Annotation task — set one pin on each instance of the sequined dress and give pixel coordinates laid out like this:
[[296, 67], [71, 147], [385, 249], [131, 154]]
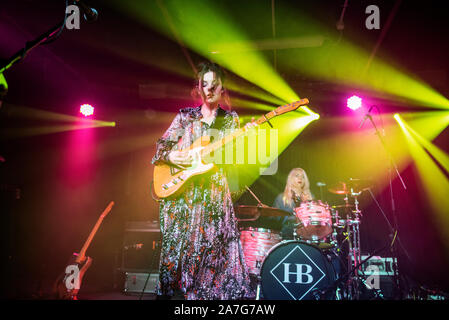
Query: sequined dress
[[201, 251]]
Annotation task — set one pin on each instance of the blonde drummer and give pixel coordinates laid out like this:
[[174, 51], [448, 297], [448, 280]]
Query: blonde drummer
[[297, 190]]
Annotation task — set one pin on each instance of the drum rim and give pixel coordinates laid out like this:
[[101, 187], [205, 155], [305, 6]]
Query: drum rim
[[301, 208], [254, 229], [319, 202], [285, 242]]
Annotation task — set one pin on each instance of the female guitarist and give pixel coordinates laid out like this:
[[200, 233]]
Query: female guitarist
[[201, 254]]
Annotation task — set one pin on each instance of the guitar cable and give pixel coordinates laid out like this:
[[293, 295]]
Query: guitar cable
[[152, 192], [152, 265]]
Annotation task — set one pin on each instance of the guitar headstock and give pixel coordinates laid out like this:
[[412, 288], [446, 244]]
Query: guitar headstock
[[106, 211], [291, 106]]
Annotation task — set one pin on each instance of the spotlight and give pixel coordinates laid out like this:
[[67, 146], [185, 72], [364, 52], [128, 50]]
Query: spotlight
[[354, 102], [86, 110]]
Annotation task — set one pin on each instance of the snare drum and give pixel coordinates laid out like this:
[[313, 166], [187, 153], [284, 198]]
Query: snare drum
[[315, 220], [256, 243]]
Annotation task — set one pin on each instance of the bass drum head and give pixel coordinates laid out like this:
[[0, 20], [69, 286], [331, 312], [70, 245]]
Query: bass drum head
[[294, 270]]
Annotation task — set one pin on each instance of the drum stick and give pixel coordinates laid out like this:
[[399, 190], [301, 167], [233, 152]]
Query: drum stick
[[260, 203]]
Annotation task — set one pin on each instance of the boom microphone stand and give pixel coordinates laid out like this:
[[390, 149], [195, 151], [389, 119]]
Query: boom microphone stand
[[42, 39], [393, 229], [90, 14]]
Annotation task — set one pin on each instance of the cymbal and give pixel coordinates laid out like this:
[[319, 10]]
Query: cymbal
[[254, 212], [324, 246], [344, 206], [360, 184], [339, 188], [352, 185]]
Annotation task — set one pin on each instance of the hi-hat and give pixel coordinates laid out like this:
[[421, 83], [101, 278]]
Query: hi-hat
[[343, 206], [252, 213]]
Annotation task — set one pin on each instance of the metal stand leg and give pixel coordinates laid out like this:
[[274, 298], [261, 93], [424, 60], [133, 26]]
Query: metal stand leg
[[258, 292], [354, 251]]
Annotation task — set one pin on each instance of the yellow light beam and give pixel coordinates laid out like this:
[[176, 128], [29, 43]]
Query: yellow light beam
[[436, 184]]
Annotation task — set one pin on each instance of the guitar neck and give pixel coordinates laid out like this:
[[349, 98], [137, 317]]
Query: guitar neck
[[218, 144], [229, 138], [82, 254]]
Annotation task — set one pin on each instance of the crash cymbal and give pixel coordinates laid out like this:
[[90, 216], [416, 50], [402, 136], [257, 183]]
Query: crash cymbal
[[359, 184], [254, 212], [339, 188]]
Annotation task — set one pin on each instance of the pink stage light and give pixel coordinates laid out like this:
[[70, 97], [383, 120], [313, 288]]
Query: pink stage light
[[354, 102], [86, 110]]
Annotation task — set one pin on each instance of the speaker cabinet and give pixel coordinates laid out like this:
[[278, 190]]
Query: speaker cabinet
[[134, 282], [141, 247]]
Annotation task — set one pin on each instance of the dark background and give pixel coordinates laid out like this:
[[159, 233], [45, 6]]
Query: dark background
[[50, 201]]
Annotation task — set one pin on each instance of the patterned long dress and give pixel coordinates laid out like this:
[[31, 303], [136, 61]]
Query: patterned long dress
[[201, 251]]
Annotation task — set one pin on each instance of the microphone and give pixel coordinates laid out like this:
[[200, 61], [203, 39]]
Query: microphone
[[296, 197], [368, 115], [90, 14]]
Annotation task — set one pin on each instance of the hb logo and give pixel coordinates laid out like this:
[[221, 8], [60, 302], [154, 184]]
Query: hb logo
[[302, 273]]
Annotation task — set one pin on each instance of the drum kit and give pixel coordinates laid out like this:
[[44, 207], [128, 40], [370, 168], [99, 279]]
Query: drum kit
[[323, 261]]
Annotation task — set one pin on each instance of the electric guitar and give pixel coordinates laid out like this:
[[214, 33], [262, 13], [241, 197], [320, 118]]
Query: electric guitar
[[67, 285], [169, 179]]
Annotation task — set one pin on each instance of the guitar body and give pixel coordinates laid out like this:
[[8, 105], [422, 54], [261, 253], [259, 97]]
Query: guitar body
[[68, 283], [169, 180]]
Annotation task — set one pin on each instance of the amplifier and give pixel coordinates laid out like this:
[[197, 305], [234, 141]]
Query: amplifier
[[380, 265], [141, 247], [379, 272], [134, 282]]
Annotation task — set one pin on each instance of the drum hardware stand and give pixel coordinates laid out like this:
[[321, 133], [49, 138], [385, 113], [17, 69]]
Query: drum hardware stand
[[392, 165], [258, 288], [394, 237], [321, 185], [256, 279], [353, 270], [260, 205], [354, 253]]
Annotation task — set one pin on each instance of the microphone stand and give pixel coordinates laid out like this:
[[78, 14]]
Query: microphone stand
[[394, 229], [45, 37], [152, 267], [19, 55], [353, 270]]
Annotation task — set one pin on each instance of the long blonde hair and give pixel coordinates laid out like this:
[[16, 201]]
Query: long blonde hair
[[292, 189]]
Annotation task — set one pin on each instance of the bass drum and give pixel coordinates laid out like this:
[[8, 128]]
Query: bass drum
[[294, 270]]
